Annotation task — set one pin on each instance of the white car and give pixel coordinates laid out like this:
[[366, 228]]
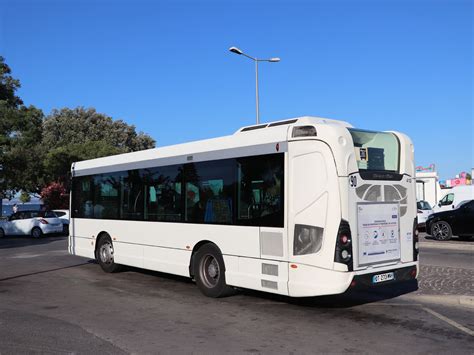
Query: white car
[[424, 210], [34, 223], [63, 215]]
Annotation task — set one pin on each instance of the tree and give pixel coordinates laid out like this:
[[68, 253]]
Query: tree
[[81, 125], [57, 161], [20, 138], [36, 151], [8, 85], [71, 135]]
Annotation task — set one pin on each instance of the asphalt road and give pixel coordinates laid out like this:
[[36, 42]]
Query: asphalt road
[[56, 303]]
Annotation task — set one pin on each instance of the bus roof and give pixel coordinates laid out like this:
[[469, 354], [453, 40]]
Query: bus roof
[[249, 136]]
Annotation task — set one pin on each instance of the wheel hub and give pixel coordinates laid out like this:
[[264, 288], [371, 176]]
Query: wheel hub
[[212, 270], [106, 253], [209, 271]]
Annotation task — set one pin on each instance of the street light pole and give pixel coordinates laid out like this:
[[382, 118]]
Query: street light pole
[[256, 60], [256, 90]]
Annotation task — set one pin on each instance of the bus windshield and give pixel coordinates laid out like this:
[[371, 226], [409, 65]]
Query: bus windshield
[[375, 151]]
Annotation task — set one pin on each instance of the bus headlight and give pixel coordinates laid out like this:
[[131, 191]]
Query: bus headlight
[[308, 239]]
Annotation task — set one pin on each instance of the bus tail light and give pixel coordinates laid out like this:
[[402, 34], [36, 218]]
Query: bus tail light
[[304, 131], [343, 253], [308, 239], [415, 240], [43, 221]]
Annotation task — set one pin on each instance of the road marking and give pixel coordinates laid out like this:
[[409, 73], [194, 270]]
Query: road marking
[[450, 321], [25, 256]]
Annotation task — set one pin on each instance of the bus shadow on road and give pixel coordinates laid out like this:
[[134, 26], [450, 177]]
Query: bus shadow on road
[[9, 242], [348, 299], [353, 298]]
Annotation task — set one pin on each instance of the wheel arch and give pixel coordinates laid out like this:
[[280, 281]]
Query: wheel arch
[[196, 248]]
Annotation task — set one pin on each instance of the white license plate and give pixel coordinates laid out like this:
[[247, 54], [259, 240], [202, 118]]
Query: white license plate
[[383, 277]]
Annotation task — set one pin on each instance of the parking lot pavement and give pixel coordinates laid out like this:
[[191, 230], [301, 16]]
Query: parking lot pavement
[[55, 303]]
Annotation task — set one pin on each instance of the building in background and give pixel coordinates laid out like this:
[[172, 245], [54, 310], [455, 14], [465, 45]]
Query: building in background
[[7, 206], [460, 180], [427, 184]]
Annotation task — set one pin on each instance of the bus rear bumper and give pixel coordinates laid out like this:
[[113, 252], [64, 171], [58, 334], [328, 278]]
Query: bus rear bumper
[[367, 281], [310, 281]]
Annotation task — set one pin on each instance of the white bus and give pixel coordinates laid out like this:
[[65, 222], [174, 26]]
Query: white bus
[[302, 207]]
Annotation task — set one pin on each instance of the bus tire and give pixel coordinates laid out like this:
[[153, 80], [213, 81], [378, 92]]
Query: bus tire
[[105, 255], [209, 271], [2, 233]]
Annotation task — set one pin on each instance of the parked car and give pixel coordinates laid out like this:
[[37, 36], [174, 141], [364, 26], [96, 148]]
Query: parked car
[[34, 223], [424, 210], [459, 221], [63, 215]]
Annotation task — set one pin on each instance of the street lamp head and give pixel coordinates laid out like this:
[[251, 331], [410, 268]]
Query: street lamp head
[[235, 50], [274, 60]]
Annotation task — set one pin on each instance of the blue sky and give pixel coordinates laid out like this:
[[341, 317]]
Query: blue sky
[[164, 66]]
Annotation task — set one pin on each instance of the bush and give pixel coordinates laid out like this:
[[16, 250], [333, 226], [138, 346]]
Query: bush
[[55, 196]]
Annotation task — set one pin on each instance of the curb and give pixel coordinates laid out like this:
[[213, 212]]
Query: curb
[[449, 300], [446, 246]]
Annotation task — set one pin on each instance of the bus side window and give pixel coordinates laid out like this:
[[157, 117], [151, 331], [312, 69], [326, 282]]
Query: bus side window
[[260, 190], [132, 203], [106, 197], [210, 189], [164, 194], [82, 196]]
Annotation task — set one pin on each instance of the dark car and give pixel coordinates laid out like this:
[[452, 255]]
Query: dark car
[[459, 221]]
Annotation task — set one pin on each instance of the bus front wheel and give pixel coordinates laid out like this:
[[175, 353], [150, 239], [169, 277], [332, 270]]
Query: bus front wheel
[[209, 271], [105, 255]]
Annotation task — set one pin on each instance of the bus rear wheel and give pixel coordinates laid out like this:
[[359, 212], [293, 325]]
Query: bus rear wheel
[[105, 255], [209, 272]]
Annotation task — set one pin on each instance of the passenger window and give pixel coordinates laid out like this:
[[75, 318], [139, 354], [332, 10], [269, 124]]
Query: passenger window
[[82, 205], [106, 196], [209, 192], [260, 190], [164, 194], [133, 195]]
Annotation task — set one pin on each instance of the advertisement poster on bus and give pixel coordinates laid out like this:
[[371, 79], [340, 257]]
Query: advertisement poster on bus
[[378, 230]]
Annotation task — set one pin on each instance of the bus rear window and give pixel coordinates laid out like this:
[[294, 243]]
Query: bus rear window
[[375, 151]]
